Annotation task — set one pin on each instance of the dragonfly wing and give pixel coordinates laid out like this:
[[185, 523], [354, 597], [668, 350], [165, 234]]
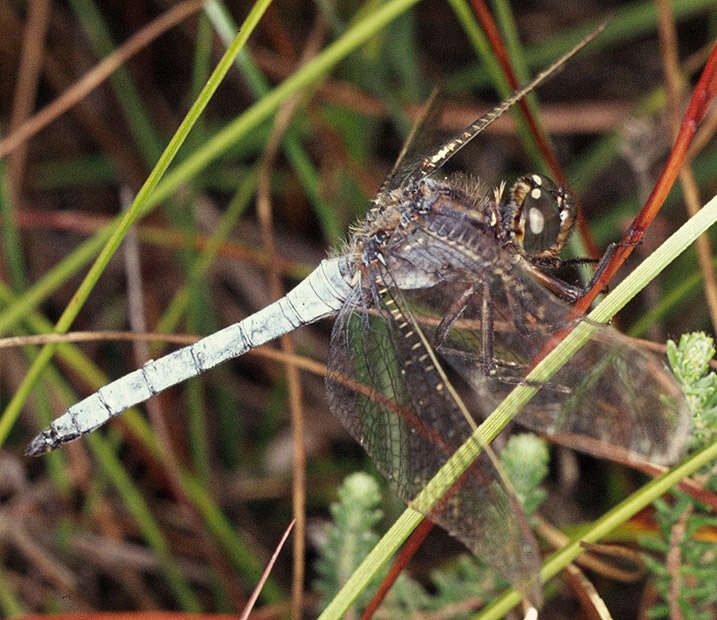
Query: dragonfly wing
[[612, 397], [385, 390], [491, 320]]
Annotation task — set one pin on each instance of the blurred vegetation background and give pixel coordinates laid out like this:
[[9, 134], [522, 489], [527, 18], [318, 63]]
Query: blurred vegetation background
[[183, 511]]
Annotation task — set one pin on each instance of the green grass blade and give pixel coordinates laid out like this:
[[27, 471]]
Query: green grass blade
[[13, 409], [12, 247], [52, 280], [140, 122], [512, 404], [606, 524], [151, 531], [291, 143], [260, 111], [9, 603], [498, 79]]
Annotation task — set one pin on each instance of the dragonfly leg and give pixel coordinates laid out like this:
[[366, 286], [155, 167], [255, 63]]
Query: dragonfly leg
[[566, 291], [494, 368], [521, 304], [453, 314], [605, 261], [487, 361]]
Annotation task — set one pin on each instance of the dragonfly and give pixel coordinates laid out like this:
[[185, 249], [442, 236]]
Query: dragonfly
[[444, 272]]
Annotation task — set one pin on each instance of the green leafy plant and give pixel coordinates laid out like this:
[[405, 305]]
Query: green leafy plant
[[350, 536], [690, 361], [683, 563], [463, 584]]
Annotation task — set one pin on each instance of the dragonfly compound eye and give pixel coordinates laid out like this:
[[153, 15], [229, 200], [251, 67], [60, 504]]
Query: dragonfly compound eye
[[540, 214]]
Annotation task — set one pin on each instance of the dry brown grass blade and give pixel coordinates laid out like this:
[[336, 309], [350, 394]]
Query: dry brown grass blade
[[265, 575], [590, 559], [170, 462], [591, 602], [674, 83], [38, 16], [101, 72], [282, 121]]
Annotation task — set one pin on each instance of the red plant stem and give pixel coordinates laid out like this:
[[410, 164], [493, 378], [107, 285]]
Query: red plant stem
[[407, 552], [701, 97]]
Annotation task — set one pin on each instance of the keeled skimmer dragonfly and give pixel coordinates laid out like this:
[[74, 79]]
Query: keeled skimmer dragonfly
[[440, 270]]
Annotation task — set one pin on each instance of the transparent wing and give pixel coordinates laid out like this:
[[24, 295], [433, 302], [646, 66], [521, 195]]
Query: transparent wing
[[384, 388], [490, 320], [611, 398]]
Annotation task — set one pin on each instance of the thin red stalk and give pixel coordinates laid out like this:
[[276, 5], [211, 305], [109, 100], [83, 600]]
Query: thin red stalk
[[402, 559], [690, 190], [701, 98], [490, 29]]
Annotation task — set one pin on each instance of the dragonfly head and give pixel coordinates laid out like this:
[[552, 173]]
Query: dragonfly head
[[538, 216]]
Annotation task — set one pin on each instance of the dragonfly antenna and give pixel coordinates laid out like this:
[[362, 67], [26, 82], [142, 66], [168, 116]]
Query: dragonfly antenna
[[441, 155]]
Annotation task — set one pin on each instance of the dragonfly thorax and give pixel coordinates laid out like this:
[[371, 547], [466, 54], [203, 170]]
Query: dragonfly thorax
[[430, 231]]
